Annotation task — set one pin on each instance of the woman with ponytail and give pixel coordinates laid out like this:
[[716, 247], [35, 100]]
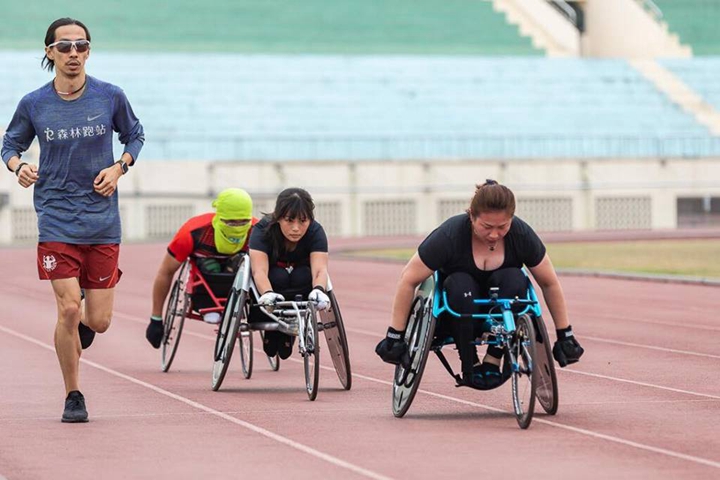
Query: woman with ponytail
[[485, 247]]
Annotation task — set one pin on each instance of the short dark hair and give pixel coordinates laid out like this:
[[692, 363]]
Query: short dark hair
[[46, 63], [492, 197], [291, 203]]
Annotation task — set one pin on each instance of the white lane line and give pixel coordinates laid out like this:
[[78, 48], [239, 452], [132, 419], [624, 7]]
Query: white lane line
[[642, 384], [254, 428], [582, 431], [370, 333], [687, 326], [650, 347], [647, 402]]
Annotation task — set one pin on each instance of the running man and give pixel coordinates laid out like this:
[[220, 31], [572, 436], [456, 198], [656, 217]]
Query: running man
[[75, 194]]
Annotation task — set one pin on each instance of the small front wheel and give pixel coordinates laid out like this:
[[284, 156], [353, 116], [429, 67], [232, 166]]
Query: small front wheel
[[311, 353], [245, 342], [524, 378]]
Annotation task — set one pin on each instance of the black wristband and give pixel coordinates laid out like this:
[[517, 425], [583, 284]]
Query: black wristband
[[319, 287], [19, 167], [396, 335], [564, 333], [268, 291]]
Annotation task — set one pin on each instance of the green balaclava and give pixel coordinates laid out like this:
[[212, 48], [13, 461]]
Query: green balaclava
[[231, 204]]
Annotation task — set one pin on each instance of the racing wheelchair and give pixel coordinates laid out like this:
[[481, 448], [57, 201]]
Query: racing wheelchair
[[519, 331], [293, 317], [194, 294]]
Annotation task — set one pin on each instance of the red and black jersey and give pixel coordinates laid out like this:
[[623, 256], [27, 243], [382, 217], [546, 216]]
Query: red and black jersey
[[197, 238]]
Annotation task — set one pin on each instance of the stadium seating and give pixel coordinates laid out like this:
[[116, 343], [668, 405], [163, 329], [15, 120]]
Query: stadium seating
[[701, 74], [446, 27], [695, 21], [227, 106]]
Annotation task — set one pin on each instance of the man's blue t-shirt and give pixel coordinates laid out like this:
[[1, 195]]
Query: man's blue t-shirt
[[75, 145]]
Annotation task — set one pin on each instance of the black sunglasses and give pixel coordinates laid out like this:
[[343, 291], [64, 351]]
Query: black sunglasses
[[64, 46]]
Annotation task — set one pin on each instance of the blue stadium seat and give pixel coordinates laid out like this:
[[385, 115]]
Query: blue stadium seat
[[255, 107]]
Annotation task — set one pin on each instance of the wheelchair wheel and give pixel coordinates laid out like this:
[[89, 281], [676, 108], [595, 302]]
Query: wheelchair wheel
[[336, 339], [524, 377], [273, 361], [311, 355], [176, 309], [245, 344], [227, 333], [418, 336], [547, 386]]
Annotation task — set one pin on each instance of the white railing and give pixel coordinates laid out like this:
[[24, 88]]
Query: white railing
[[566, 10], [650, 7]]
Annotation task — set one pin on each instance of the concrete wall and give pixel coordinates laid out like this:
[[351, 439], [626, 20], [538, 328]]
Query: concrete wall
[[399, 198], [622, 28]]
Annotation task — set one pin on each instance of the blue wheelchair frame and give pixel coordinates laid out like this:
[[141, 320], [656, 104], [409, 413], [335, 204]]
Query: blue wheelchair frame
[[522, 335], [501, 324]]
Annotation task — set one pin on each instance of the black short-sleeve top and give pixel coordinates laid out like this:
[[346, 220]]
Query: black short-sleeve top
[[449, 247], [314, 240]]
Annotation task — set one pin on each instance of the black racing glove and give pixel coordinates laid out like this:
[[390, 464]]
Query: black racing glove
[[567, 350], [155, 331], [393, 349]]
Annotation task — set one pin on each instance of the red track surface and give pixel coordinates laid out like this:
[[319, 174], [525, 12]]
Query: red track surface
[[643, 403]]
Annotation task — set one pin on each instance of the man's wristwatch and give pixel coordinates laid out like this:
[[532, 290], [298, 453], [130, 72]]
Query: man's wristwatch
[[123, 166]]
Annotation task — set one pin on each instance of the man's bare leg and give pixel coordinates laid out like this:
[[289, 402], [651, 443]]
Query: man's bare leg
[[67, 341], [99, 308]]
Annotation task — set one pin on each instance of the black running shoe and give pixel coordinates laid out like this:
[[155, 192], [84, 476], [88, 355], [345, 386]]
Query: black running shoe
[[285, 346], [474, 379], [491, 374], [75, 411], [154, 333], [87, 335]]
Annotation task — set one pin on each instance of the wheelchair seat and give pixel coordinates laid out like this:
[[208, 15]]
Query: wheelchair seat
[[220, 285]]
